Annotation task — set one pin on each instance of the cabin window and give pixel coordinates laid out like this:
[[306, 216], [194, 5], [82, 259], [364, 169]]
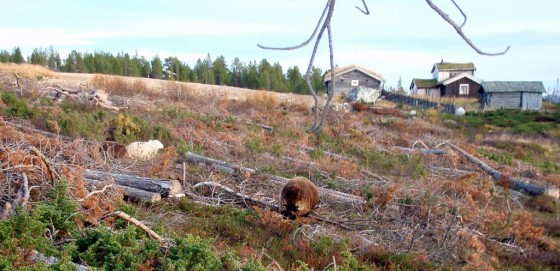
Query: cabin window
[[355, 83], [464, 89]]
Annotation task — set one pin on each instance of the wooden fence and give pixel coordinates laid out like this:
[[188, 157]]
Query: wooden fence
[[552, 98], [405, 99]]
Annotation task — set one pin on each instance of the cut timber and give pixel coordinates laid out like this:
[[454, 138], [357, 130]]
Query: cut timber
[[422, 150], [133, 193], [328, 194], [515, 184], [166, 188]]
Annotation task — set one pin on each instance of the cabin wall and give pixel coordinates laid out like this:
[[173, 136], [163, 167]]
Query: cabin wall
[[531, 101], [498, 100], [343, 83], [452, 89]]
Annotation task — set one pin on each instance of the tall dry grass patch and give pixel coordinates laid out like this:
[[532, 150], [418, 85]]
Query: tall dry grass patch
[[118, 85], [178, 92], [262, 101], [27, 70]]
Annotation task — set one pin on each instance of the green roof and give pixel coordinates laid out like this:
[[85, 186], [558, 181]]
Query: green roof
[[446, 66], [513, 86], [425, 83]]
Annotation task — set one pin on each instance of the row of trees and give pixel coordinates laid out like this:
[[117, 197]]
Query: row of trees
[[252, 75]]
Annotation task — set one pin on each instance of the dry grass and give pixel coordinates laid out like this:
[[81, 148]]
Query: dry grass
[[262, 101], [26, 70], [118, 85]]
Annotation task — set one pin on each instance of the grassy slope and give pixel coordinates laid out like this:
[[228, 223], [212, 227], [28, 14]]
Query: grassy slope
[[416, 216]]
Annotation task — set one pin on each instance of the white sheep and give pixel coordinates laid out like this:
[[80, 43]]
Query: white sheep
[[143, 150]]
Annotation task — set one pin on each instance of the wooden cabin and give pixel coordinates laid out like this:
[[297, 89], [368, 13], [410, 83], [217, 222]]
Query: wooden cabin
[[448, 80], [349, 77], [522, 95]]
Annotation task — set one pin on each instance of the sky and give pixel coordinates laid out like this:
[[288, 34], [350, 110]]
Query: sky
[[398, 39]]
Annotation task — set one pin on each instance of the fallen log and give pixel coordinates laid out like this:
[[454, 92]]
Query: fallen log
[[328, 194], [236, 194], [422, 150], [512, 183], [166, 188], [133, 193]]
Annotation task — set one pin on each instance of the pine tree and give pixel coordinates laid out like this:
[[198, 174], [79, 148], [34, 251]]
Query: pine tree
[[264, 75], [157, 68], [296, 82], [5, 56], [17, 57], [39, 57], [317, 80], [237, 68], [221, 72]]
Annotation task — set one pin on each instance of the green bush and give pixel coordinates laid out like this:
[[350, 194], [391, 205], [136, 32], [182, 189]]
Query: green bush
[[60, 213], [20, 235], [81, 124], [192, 253], [8, 98], [253, 265], [128, 249]]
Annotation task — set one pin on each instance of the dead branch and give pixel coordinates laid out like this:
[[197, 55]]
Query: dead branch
[[274, 261], [33, 130], [326, 220], [23, 193], [506, 245], [325, 19], [236, 194], [327, 193], [166, 188], [17, 79], [103, 104], [95, 192], [514, 184], [459, 28], [139, 224], [449, 170], [422, 150], [366, 12], [54, 176]]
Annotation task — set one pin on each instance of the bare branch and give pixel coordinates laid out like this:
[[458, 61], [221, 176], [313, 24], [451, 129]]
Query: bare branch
[[139, 224], [365, 6], [305, 43], [319, 30], [462, 13], [95, 192], [17, 79], [460, 30]]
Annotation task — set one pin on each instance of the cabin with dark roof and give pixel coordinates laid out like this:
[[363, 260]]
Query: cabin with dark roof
[[349, 77], [512, 94]]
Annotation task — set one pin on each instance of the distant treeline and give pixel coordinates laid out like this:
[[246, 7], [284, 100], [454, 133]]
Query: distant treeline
[[252, 75]]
